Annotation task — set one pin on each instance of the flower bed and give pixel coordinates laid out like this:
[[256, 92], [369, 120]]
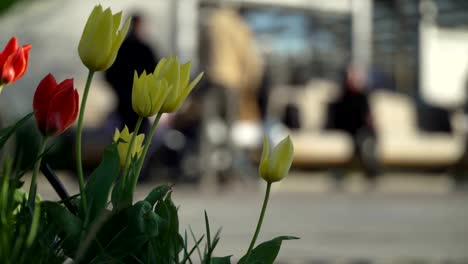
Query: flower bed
[[103, 223]]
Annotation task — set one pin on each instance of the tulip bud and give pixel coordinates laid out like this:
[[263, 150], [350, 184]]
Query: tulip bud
[[55, 105], [101, 39], [148, 94], [276, 166], [13, 62], [178, 76], [123, 143]]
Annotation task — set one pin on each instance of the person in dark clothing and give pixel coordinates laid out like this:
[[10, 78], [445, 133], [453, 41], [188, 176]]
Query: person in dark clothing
[[351, 113], [134, 55], [351, 110]]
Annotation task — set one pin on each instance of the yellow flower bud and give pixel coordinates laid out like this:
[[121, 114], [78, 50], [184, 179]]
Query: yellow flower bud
[[122, 138], [178, 76], [275, 166], [148, 94], [101, 39]]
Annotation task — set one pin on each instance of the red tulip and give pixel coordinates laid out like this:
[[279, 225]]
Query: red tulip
[[13, 61], [55, 105]]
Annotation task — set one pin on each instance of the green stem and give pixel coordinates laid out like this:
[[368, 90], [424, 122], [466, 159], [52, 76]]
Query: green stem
[[33, 186], [79, 163], [129, 151], [145, 150], [260, 221]]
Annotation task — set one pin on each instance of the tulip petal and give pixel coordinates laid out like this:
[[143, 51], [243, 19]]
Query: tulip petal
[[116, 21], [135, 92], [8, 71], [63, 107], [102, 40], [41, 101], [86, 44], [25, 51], [281, 159], [125, 134], [116, 135], [92, 20], [161, 64], [173, 77], [263, 167], [184, 75], [138, 146], [190, 87], [163, 91], [73, 100], [10, 47], [117, 42]]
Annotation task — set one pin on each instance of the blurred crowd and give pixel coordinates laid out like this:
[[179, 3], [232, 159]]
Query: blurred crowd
[[341, 115]]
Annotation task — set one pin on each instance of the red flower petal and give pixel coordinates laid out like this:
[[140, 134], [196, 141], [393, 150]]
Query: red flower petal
[[26, 48], [72, 108], [10, 47], [8, 72], [42, 97], [63, 107]]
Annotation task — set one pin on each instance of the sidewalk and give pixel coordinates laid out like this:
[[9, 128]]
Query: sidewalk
[[407, 219]]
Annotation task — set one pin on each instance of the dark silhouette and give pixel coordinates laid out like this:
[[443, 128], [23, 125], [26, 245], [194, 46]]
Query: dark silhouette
[[134, 55], [351, 113]]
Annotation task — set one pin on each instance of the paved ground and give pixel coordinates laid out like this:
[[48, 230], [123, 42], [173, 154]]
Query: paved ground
[[407, 219]]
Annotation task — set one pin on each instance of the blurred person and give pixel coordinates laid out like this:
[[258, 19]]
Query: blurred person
[[134, 55], [351, 113], [235, 73], [234, 62]]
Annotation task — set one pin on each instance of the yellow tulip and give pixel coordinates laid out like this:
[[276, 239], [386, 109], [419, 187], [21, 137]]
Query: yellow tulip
[[148, 94], [177, 76], [101, 39], [122, 138], [275, 166]]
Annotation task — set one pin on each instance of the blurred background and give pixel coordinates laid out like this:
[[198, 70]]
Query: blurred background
[[372, 92]]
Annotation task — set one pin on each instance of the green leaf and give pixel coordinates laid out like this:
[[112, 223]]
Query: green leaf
[[150, 254], [64, 222], [100, 182], [122, 197], [266, 252], [196, 243], [157, 194], [221, 260], [127, 245], [119, 195], [189, 254], [142, 218], [170, 242], [211, 243], [208, 235], [7, 132]]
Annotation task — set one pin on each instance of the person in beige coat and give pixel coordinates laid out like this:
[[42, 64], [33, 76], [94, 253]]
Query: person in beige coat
[[234, 62]]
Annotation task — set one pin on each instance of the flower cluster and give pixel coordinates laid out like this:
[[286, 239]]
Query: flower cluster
[[132, 231]]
